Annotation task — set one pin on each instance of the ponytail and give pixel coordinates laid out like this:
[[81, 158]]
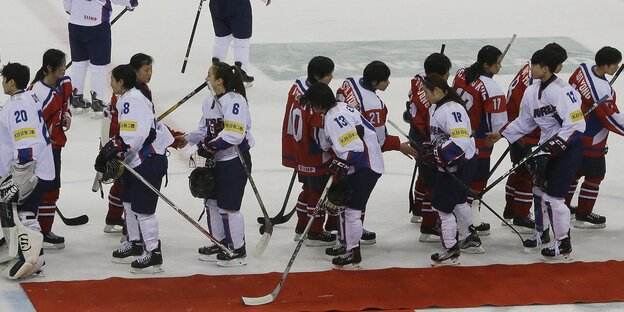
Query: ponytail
[[434, 80], [232, 79], [53, 58], [487, 55]]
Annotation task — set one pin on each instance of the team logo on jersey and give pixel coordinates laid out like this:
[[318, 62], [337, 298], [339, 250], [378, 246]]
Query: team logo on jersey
[[460, 133], [347, 138], [24, 133], [233, 126], [543, 111], [576, 115], [128, 126]]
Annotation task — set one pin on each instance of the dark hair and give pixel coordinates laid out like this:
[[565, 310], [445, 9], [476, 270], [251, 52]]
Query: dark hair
[[487, 55], [232, 79], [607, 56], [126, 73], [18, 73], [375, 71], [139, 60], [319, 95], [53, 58], [319, 66], [560, 53], [546, 57], [434, 80], [437, 63]]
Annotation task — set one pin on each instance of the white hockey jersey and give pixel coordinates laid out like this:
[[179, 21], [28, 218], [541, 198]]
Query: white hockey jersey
[[340, 130], [451, 119], [226, 123], [93, 12], [554, 106], [136, 119], [24, 135]]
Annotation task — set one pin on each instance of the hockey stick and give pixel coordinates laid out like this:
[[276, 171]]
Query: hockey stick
[[534, 152], [499, 161], [112, 22], [477, 196], [268, 226], [180, 102], [254, 301], [79, 220], [280, 215], [617, 74], [411, 188], [513, 37], [180, 211], [188, 49]]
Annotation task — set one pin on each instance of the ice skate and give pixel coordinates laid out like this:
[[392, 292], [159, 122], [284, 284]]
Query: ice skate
[[533, 244], [446, 257], [149, 263], [247, 80], [560, 251], [429, 235], [53, 241], [353, 257], [209, 253], [113, 226], [128, 252], [483, 229], [590, 221], [336, 250], [368, 237], [472, 243], [524, 225], [322, 239], [238, 259]]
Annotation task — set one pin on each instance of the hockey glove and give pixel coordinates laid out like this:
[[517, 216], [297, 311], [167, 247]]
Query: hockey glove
[[537, 166], [427, 156], [107, 152], [407, 115], [205, 149], [556, 146], [338, 167], [338, 195]]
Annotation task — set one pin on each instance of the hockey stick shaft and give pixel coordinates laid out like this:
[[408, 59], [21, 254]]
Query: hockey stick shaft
[[281, 212], [411, 188], [180, 102], [513, 37], [477, 196], [180, 211], [112, 22], [253, 301], [617, 74], [188, 48], [499, 161], [537, 150], [79, 220]]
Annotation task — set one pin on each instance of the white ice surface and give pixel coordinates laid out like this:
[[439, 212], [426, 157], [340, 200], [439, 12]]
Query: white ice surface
[[161, 29]]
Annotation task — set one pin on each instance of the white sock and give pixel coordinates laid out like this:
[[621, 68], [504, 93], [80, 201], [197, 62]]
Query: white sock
[[132, 223], [234, 225], [448, 228], [241, 53], [542, 222], [560, 216], [463, 215], [214, 219], [99, 79], [353, 227], [476, 212], [221, 46], [78, 74], [149, 229]]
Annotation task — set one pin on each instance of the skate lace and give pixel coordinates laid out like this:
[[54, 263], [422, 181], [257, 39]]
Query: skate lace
[[125, 247], [52, 235], [593, 216], [145, 258]]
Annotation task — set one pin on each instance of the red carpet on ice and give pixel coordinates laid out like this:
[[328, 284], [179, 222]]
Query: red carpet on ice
[[449, 287]]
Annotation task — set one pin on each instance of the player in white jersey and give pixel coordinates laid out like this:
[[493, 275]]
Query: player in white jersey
[[360, 92], [142, 142], [454, 149], [555, 107], [26, 168], [357, 165], [90, 43], [225, 127]]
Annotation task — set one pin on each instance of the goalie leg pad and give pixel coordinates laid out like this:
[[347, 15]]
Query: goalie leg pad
[[29, 242]]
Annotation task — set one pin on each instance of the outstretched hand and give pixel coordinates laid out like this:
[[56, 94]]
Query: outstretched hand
[[408, 150], [492, 137]]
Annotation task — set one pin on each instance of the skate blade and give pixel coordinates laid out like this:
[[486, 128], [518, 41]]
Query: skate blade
[[449, 262], [532, 250], [588, 226], [232, 263], [318, 243], [126, 260], [429, 238], [48, 246], [348, 267], [208, 258], [97, 115], [113, 229], [510, 221], [484, 233], [558, 259], [416, 219], [248, 84], [523, 230], [474, 250], [149, 270], [368, 242]]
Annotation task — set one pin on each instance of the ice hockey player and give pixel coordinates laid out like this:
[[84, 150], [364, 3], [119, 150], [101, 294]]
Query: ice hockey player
[[555, 107], [142, 142], [47, 85], [90, 44], [590, 81], [357, 164], [302, 129], [27, 169], [225, 126], [417, 115], [519, 190], [453, 147], [360, 92]]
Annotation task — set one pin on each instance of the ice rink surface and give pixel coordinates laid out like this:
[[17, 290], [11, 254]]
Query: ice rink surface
[[291, 32]]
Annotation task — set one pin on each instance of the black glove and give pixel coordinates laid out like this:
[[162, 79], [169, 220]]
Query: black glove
[[537, 166], [205, 149], [107, 152], [426, 155], [150, 137], [338, 167], [407, 116], [338, 195], [556, 146]]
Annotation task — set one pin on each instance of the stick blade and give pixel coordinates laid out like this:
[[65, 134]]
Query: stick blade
[[262, 244], [256, 301], [79, 220]]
